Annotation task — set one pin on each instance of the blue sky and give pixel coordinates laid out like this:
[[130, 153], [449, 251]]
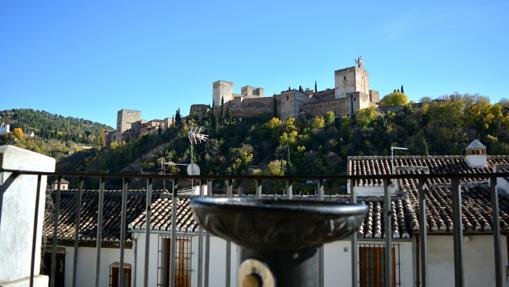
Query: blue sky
[[91, 58]]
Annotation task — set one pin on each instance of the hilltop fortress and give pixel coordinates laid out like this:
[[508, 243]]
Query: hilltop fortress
[[350, 94]]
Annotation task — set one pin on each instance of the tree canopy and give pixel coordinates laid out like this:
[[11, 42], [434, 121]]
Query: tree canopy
[[396, 98]]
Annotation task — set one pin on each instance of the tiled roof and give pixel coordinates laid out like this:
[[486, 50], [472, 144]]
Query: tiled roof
[[88, 216], [405, 209], [161, 216], [381, 165]]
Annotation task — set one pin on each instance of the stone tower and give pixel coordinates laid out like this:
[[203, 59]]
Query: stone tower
[[351, 80], [125, 118], [222, 89]]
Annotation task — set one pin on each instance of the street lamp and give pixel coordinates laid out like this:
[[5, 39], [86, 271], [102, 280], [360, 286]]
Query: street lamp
[[393, 148]]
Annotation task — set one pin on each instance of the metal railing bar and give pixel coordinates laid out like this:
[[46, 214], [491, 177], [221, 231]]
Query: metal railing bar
[[458, 233], [123, 225], [321, 270], [207, 244], [496, 231], [34, 234], [229, 193], [388, 234], [98, 246], [173, 232], [76, 234], [423, 235], [267, 177], [148, 219], [289, 189], [355, 275], [259, 190], [200, 246], [54, 240]]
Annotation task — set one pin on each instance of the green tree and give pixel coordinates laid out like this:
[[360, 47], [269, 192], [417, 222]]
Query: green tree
[[178, 118], [331, 118], [318, 122], [395, 98]]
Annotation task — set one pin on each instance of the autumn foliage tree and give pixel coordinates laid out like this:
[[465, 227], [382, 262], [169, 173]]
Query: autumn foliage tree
[[395, 98]]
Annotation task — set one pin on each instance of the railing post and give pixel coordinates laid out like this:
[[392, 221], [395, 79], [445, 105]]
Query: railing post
[[20, 206], [200, 246], [173, 239], [34, 234], [259, 191], [123, 226], [229, 192], [458, 233], [423, 235], [496, 231], [207, 244], [98, 244], [388, 234], [289, 189], [321, 256], [54, 242], [355, 275], [148, 227], [76, 233]]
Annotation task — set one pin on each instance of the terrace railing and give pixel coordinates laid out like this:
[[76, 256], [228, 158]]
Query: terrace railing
[[227, 183]]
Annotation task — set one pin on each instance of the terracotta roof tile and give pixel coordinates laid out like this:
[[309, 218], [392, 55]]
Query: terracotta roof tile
[[88, 215]]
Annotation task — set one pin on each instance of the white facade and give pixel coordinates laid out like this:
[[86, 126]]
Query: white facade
[[5, 129], [87, 265], [478, 260]]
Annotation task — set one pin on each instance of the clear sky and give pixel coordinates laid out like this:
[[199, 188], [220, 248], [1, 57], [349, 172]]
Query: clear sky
[[91, 58]]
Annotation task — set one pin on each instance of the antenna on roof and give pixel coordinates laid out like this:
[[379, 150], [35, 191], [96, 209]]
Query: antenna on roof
[[393, 148]]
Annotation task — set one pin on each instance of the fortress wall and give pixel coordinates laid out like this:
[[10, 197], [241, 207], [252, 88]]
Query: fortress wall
[[340, 107]]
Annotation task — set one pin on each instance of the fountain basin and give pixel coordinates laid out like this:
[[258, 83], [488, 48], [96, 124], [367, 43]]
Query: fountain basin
[[278, 224]]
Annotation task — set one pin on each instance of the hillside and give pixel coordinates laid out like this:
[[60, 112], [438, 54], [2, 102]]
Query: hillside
[[313, 145], [53, 134]]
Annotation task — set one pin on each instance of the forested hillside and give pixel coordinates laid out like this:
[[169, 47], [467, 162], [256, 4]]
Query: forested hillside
[[313, 145], [51, 134]]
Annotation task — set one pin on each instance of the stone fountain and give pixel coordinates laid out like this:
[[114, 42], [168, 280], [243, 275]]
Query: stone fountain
[[278, 239]]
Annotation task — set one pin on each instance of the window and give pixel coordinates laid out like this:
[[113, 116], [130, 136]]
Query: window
[[114, 273], [372, 264], [183, 254]]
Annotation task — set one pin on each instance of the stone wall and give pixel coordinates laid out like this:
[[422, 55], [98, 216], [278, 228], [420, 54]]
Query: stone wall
[[250, 107], [199, 110], [340, 107]]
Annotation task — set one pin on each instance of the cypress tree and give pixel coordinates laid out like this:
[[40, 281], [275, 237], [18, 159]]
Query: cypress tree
[[178, 118], [402, 90], [316, 87], [221, 113], [275, 106]]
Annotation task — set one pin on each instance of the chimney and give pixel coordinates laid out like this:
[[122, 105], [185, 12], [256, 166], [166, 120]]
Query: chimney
[[475, 155]]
